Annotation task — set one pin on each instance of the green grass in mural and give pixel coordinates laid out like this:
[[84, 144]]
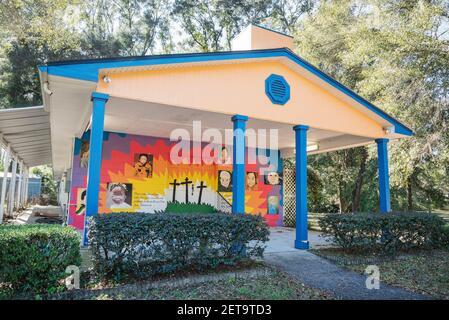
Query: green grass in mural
[[178, 207]]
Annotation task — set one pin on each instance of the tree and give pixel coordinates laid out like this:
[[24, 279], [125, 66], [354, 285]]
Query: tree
[[49, 188], [406, 50], [124, 27], [33, 32], [211, 24], [287, 14], [395, 54], [322, 39]]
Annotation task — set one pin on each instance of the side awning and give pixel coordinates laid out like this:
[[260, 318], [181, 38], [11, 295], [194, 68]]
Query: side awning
[[27, 130]]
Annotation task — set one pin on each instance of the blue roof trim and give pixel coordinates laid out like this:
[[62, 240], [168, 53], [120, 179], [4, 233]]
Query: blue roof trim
[[399, 127], [88, 70]]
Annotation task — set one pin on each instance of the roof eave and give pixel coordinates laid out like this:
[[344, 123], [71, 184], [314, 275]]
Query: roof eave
[[92, 67]]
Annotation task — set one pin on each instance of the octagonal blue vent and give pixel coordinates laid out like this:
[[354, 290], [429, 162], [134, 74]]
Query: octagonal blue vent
[[277, 89]]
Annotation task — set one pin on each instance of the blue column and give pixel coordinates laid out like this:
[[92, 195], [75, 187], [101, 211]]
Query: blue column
[[301, 241], [95, 151], [238, 165], [384, 179]]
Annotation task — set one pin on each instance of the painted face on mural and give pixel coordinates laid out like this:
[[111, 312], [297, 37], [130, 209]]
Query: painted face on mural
[[118, 194], [273, 200], [273, 205], [84, 155], [225, 179], [273, 178], [143, 159], [251, 180], [143, 166], [224, 156]]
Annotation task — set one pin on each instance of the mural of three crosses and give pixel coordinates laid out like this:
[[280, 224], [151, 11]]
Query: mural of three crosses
[[137, 175], [186, 183]]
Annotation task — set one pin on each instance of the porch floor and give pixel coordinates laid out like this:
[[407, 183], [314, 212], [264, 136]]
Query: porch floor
[[24, 217], [282, 240], [37, 214]]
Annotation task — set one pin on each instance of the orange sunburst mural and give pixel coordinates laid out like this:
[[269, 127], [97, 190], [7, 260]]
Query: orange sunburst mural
[[137, 175]]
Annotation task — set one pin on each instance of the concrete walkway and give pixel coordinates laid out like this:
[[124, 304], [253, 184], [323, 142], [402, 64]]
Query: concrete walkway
[[282, 239], [25, 217], [320, 273], [38, 214]]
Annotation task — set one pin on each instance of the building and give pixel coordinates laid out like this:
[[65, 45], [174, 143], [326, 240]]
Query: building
[[111, 121]]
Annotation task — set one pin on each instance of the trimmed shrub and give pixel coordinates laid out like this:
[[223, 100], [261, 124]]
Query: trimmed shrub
[[33, 258], [142, 244], [387, 233]]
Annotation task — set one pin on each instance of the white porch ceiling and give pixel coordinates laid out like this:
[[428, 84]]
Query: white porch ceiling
[[70, 110], [151, 119], [27, 130]]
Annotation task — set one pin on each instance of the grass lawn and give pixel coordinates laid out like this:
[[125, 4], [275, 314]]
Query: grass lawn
[[425, 272], [273, 285]]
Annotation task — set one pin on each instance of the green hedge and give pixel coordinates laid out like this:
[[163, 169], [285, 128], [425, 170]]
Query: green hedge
[[33, 258], [140, 244], [388, 233]]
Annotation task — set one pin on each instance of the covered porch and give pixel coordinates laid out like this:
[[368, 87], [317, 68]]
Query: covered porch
[[25, 142], [114, 114], [246, 91]]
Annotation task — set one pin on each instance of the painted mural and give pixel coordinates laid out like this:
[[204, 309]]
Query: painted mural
[[138, 176]]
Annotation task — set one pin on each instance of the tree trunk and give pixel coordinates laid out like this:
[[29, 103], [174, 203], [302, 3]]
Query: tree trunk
[[409, 194], [356, 194], [340, 197]]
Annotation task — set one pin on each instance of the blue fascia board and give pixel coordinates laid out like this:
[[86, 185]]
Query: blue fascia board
[[88, 70], [399, 127]]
